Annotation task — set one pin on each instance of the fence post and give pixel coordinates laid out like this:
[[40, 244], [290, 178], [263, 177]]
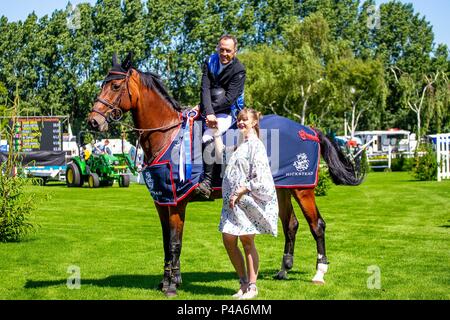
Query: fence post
[[389, 156], [443, 156], [447, 167], [438, 155]]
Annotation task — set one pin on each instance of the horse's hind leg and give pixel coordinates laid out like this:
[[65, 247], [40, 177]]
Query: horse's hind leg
[[290, 226], [307, 202]]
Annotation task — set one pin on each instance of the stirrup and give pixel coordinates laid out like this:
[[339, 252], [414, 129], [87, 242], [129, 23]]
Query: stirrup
[[204, 189]]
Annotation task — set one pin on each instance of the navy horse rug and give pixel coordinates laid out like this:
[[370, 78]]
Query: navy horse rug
[[293, 151]]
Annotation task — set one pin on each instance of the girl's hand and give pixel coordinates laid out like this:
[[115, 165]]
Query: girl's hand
[[237, 196]]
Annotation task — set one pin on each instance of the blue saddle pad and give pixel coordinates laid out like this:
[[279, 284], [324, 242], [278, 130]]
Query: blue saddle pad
[[176, 172], [293, 151]]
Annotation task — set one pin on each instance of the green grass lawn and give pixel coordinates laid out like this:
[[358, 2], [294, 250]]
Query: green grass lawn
[[113, 236]]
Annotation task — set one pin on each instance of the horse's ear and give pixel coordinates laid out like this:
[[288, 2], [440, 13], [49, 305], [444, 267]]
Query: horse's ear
[[126, 64], [114, 59]]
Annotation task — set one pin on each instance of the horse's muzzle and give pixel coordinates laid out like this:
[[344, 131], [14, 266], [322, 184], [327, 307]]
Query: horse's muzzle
[[93, 124], [97, 123]]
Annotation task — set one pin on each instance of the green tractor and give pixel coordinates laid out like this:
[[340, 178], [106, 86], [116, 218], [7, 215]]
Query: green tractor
[[100, 170]]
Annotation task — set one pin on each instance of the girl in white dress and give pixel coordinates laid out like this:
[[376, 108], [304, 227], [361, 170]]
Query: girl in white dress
[[250, 203]]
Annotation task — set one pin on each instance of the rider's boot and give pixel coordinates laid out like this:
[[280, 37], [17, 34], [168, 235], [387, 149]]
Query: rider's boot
[[205, 186]]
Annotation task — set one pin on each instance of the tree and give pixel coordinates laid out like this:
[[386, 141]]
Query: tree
[[437, 117], [404, 40], [414, 94], [289, 47], [341, 16], [3, 109], [284, 78], [359, 88]]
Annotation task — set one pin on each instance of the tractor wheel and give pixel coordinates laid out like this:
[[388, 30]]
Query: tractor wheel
[[93, 180], [124, 181], [73, 176]]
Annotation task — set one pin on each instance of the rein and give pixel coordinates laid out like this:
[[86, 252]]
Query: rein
[[142, 131]]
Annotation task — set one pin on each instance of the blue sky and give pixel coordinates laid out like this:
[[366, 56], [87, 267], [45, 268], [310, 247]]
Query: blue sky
[[435, 11]]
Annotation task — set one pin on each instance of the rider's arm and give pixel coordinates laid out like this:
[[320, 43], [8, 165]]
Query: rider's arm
[[206, 92]]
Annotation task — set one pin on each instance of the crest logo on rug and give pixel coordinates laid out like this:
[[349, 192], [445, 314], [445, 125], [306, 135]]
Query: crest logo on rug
[[302, 162]]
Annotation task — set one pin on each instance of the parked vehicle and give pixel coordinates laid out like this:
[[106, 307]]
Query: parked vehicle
[[395, 140], [99, 169]]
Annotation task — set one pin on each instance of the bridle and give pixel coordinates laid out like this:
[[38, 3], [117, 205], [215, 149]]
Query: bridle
[[115, 113]]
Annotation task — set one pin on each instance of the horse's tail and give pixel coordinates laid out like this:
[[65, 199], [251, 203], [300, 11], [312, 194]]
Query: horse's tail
[[342, 170]]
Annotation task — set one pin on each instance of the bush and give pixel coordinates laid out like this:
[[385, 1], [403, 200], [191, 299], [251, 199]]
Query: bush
[[363, 164], [425, 166], [324, 183], [402, 163], [16, 205]]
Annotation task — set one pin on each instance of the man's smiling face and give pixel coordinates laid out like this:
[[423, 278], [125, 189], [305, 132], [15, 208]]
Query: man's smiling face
[[226, 50]]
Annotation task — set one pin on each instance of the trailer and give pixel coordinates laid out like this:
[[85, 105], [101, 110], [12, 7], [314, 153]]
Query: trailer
[[384, 145], [47, 173]]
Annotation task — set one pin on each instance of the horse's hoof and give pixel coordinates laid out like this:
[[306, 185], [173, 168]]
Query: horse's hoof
[[322, 268], [171, 291], [281, 275]]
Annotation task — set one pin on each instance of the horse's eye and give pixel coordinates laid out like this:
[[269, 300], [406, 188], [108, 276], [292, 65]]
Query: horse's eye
[[115, 86]]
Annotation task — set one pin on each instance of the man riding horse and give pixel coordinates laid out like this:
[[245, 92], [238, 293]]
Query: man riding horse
[[222, 96]]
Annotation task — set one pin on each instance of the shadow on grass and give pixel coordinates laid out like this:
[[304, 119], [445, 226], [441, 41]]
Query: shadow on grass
[[193, 282], [445, 225], [292, 275], [55, 184]]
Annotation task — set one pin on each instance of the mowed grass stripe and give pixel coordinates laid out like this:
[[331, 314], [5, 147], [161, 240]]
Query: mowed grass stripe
[[113, 235]]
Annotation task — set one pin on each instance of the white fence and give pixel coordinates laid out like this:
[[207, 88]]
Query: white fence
[[443, 156]]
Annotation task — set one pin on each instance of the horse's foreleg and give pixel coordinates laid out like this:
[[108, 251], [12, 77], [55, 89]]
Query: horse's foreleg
[[306, 200], [290, 226], [176, 224], [164, 218]]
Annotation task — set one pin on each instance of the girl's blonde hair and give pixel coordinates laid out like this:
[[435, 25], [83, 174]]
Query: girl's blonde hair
[[256, 115]]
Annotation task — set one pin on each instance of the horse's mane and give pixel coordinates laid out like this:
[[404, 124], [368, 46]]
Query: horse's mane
[[153, 81]]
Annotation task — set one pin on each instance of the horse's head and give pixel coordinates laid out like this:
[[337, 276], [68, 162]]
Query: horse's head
[[115, 96]]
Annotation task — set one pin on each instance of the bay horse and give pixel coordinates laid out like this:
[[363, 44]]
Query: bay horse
[[156, 116]]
